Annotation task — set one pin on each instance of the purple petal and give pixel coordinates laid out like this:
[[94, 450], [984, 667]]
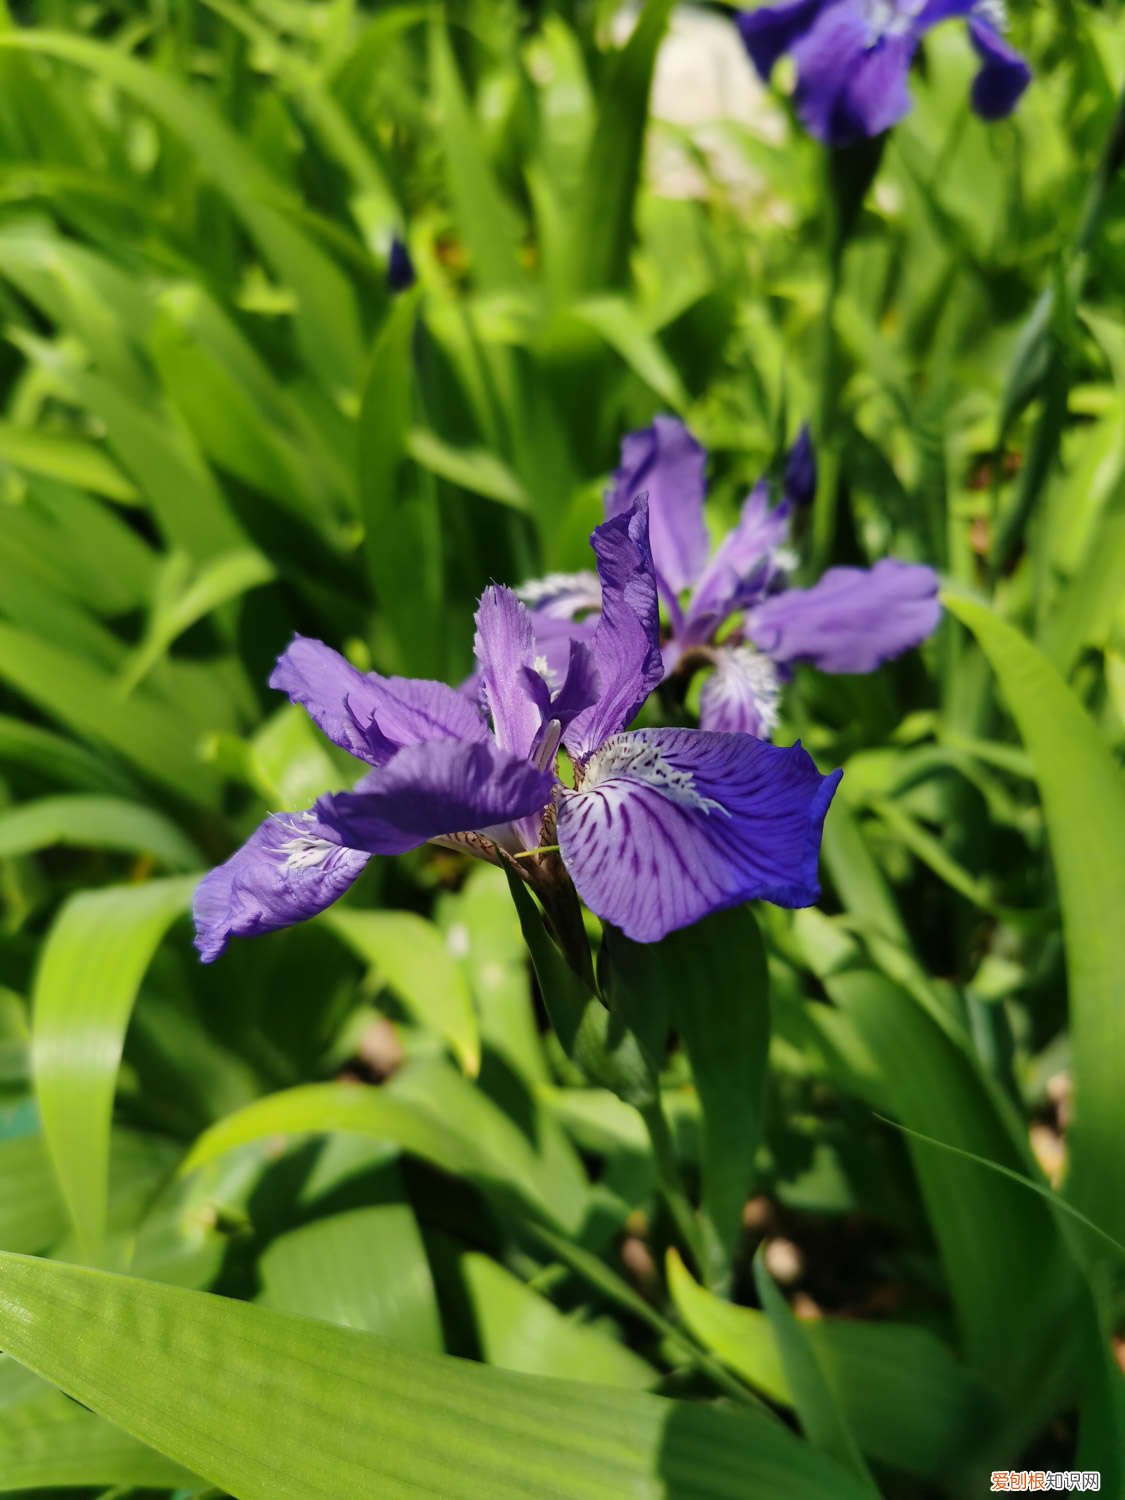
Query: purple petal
[[580, 685], [626, 645], [740, 558], [433, 789], [556, 603], [1003, 74], [942, 10], [665, 462], [671, 824], [368, 715], [849, 86], [290, 868], [505, 652], [852, 619], [771, 30], [553, 637], [741, 695]]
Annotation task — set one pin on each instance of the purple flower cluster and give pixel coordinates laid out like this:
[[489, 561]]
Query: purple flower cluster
[[656, 828], [732, 609], [853, 57]]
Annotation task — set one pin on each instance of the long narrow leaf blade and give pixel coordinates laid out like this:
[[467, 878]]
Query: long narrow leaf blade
[[273, 1407], [92, 965], [1084, 804]]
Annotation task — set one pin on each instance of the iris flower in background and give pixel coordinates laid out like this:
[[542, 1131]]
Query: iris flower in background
[[732, 609], [853, 57], [660, 826], [401, 274]]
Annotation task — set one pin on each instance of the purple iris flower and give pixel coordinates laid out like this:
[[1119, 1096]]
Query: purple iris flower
[[853, 57], [660, 826], [732, 609]]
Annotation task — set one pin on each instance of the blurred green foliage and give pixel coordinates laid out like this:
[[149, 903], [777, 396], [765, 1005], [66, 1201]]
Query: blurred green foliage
[[220, 426]]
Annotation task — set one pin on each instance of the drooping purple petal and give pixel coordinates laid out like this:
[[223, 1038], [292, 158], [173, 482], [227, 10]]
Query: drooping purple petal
[[850, 85], [368, 715], [799, 483], [505, 652], [671, 824], [1002, 76], [290, 868], [742, 693], [771, 30], [626, 644], [665, 462], [743, 556], [428, 790], [852, 619]]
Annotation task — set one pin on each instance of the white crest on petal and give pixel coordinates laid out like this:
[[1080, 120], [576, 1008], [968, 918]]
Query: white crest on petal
[[995, 12], [889, 17], [302, 851], [543, 667], [562, 594], [744, 673], [636, 757]]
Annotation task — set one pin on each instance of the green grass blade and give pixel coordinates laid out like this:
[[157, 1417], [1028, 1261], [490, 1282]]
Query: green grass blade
[[326, 315], [908, 1401], [487, 220], [84, 698], [822, 1419], [90, 971], [272, 1407], [710, 980], [402, 531], [96, 823], [521, 1330], [428, 1110], [409, 955], [56, 455], [363, 1268], [61, 760], [219, 580], [603, 223], [1084, 805], [48, 1441], [1009, 1278], [32, 1214]]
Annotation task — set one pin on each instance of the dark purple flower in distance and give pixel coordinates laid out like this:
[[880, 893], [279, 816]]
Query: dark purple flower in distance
[[853, 57], [401, 274], [733, 611], [660, 826]]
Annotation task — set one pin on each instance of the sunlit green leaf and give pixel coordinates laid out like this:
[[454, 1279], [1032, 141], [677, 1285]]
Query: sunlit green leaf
[[273, 1407]]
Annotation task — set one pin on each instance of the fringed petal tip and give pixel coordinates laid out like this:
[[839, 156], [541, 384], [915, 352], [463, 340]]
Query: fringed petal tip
[[289, 869]]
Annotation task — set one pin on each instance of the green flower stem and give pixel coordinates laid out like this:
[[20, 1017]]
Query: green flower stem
[[824, 506], [849, 172], [670, 1182]]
